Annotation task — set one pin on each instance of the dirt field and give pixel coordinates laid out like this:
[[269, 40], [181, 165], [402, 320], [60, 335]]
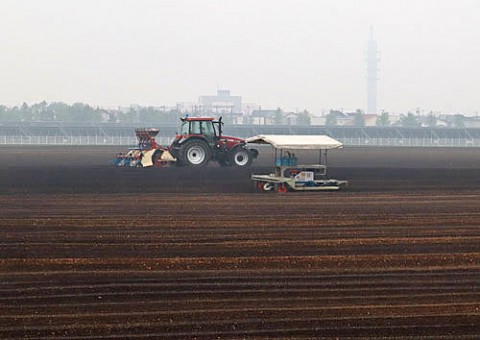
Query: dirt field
[[90, 251]]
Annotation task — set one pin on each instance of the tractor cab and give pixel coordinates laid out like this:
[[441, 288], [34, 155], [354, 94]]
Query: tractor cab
[[207, 127], [199, 126]]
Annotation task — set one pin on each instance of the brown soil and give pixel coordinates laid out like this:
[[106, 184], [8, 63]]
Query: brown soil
[[91, 251]]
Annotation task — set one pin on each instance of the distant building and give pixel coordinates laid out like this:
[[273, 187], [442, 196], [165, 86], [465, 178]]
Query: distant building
[[222, 103], [233, 118], [394, 118], [459, 120], [263, 117], [345, 118], [189, 107], [441, 123], [248, 108], [290, 118], [370, 119], [317, 120]]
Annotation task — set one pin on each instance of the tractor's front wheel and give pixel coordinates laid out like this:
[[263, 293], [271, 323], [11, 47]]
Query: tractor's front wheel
[[195, 153], [240, 157]]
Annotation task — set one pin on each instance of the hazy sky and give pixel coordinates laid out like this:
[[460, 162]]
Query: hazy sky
[[293, 54]]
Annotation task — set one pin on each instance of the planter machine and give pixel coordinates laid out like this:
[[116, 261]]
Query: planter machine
[[290, 176]]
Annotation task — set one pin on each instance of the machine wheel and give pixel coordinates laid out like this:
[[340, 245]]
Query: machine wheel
[[267, 186], [195, 153], [240, 157], [282, 188]]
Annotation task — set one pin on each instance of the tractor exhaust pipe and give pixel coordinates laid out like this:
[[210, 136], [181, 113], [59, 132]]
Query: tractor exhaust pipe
[[220, 127]]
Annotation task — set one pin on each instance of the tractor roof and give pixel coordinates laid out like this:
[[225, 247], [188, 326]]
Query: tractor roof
[[191, 119], [297, 142]]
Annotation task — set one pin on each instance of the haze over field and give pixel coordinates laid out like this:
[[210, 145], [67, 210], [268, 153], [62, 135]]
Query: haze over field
[[292, 54]]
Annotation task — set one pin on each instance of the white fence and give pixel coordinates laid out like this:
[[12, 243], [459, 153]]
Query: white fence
[[412, 142], [121, 140], [42, 134]]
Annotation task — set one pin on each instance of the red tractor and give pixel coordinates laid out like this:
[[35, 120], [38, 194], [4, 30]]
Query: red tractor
[[200, 141]]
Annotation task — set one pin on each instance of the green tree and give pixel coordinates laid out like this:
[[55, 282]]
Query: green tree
[[303, 118], [331, 119], [25, 112], [431, 120], [175, 115], [41, 112], [14, 114], [84, 113], [359, 119], [129, 116], [383, 119], [150, 115], [59, 111], [3, 113], [278, 116], [172, 116], [458, 121], [409, 120]]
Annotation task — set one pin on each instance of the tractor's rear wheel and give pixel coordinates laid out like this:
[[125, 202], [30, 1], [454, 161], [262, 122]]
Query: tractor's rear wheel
[[240, 157], [195, 153]]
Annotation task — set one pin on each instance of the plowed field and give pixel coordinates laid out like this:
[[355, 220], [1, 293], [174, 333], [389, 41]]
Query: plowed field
[[88, 251]]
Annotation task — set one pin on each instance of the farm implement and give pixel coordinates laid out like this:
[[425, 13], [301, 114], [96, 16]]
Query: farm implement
[[290, 176], [200, 141]]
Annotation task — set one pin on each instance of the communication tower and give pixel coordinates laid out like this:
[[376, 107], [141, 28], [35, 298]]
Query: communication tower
[[372, 74]]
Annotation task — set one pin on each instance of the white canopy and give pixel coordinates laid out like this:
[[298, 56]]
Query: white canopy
[[297, 142]]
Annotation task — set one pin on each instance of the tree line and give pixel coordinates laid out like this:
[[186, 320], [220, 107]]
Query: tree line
[[44, 111], [406, 120], [84, 113]]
